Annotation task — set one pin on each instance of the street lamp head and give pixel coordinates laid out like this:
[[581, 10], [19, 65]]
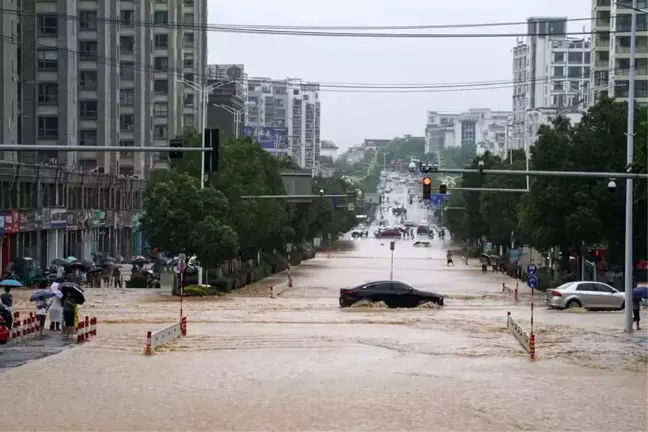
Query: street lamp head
[[612, 186], [412, 166], [480, 166], [321, 192]]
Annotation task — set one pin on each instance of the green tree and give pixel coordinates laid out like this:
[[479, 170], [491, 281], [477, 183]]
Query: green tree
[[180, 217]]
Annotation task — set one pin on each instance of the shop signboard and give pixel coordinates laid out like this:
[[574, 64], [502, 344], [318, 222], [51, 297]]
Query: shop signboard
[[71, 221], [30, 220], [46, 218], [2, 222], [59, 218], [12, 221]]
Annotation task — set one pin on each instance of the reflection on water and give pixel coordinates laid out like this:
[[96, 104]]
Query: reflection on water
[[298, 362]]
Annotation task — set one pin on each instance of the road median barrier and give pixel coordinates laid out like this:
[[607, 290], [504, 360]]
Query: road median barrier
[[168, 334], [25, 329], [277, 290], [525, 338], [86, 329], [508, 290]]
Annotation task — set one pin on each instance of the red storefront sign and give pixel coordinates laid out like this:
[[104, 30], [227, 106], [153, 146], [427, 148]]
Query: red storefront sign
[[12, 221]]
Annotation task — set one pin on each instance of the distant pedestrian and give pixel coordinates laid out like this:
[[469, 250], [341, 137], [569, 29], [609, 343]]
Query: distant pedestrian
[[449, 260], [56, 307], [41, 313], [636, 307], [116, 275], [7, 298]]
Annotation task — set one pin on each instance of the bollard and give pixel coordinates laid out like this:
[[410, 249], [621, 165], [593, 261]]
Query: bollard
[[503, 287], [17, 328], [515, 293], [93, 326], [183, 326], [272, 292], [532, 346], [148, 350], [80, 331], [86, 328]]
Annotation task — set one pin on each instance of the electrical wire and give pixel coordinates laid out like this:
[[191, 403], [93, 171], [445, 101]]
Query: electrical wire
[[277, 32], [329, 87]]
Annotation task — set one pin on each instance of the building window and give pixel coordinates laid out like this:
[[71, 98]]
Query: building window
[[574, 72], [161, 64], [88, 50], [161, 17], [48, 93], [575, 57], [161, 41], [88, 20], [126, 18], [559, 72], [189, 100], [47, 60], [88, 110], [127, 71], [127, 97], [126, 122], [188, 18], [88, 80], [88, 137], [161, 86], [188, 77], [188, 2], [161, 132], [47, 25], [188, 61], [557, 85], [188, 40], [188, 120], [559, 57], [126, 143], [126, 44], [160, 110], [48, 127]]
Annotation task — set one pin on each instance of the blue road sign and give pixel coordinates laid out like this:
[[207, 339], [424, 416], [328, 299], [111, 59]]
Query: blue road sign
[[532, 282], [438, 199], [532, 269]]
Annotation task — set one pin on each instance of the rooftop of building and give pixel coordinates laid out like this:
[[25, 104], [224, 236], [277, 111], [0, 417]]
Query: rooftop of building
[[368, 142]]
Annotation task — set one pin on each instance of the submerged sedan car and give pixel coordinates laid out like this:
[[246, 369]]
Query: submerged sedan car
[[586, 295], [392, 293]]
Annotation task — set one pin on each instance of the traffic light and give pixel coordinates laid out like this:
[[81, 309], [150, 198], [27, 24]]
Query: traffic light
[[427, 188], [212, 139], [443, 189], [175, 143]]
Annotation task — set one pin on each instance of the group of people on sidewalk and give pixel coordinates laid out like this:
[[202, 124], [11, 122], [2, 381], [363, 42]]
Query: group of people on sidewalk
[[62, 309]]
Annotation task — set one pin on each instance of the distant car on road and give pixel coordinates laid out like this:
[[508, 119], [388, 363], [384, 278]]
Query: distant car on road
[[421, 244], [586, 295], [359, 233], [388, 232], [392, 293]]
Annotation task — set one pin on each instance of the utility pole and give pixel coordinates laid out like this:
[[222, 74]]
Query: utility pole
[[628, 258]]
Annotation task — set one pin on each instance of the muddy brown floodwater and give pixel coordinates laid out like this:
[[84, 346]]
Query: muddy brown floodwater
[[298, 362]]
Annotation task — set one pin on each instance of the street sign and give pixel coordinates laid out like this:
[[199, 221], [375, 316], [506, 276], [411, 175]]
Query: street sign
[[532, 269], [392, 245], [439, 199], [532, 282], [288, 247], [351, 207]]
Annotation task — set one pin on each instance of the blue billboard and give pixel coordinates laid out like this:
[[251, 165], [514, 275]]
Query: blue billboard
[[267, 136]]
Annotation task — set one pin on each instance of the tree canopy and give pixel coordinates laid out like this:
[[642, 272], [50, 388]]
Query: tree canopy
[[559, 211]]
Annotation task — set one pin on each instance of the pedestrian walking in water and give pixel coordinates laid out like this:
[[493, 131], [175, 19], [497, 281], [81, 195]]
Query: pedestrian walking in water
[[7, 298], [636, 307], [116, 275], [449, 259], [69, 315]]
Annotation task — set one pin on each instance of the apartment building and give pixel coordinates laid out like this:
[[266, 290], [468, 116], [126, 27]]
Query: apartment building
[[90, 73], [287, 112], [611, 50], [483, 128], [551, 74]]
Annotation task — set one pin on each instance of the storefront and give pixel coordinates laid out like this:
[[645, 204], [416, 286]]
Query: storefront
[[29, 235], [138, 240], [56, 233], [91, 233]]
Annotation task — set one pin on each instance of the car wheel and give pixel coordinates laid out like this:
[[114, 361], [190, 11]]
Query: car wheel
[[572, 304]]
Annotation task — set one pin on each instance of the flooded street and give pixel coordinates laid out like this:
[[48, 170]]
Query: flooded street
[[299, 362]]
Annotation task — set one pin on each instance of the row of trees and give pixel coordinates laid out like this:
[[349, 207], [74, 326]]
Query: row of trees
[[217, 224], [561, 212]]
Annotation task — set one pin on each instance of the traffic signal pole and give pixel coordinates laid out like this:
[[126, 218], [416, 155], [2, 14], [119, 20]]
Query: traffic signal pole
[[72, 148], [533, 173]]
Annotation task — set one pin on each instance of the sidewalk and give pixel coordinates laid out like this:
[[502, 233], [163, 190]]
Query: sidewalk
[[17, 354]]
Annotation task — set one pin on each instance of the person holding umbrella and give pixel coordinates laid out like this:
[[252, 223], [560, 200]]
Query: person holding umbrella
[[72, 298], [56, 306], [638, 294]]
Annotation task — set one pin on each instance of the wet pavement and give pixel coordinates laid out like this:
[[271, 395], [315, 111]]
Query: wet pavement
[[299, 362]]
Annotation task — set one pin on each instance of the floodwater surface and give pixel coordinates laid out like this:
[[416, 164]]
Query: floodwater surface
[[299, 362]]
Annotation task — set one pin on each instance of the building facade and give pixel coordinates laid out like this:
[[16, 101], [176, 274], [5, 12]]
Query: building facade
[[91, 73], [483, 128], [226, 108], [231, 72], [611, 50], [52, 212], [286, 114], [329, 149], [551, 72]]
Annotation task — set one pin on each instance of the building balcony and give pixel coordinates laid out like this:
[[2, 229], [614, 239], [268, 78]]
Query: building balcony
[[622, 50], [602, 64]]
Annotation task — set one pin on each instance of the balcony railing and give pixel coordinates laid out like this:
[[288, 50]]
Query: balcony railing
[[626, 50]]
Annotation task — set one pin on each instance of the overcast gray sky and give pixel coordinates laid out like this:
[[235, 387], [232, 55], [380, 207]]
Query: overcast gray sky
[[348, 118]]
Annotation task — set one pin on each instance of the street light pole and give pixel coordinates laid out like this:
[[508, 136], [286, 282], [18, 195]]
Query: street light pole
[[204, 91], [628, 258]]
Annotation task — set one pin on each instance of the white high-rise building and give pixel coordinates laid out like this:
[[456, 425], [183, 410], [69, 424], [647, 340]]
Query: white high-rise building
[[551, 74], [92, 73], [611, 54], [483, 128], [290, 109]]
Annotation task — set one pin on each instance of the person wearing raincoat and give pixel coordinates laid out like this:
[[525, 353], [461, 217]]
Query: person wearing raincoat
[[70, 312], [56, 307]]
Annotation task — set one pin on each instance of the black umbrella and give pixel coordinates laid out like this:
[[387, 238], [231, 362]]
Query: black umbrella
[[95, 269], [140, 260], [73, 290], [59, 262], [80, 265]]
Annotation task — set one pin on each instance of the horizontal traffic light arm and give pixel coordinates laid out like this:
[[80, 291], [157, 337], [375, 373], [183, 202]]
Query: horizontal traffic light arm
[[523, 173]]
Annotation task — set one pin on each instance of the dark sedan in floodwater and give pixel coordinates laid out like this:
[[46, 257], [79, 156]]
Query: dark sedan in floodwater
[[392, 293]]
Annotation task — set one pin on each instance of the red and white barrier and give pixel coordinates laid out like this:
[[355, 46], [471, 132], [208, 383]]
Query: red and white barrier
[[526, 339], [24, 328], [166, 335], [277, 290], [86, 329], [511, 291]]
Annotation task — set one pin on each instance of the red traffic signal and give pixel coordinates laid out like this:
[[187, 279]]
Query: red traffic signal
[[427, 181], [427, 188]]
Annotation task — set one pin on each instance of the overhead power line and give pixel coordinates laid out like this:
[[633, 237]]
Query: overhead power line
[[287, 32], [324, 87]]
